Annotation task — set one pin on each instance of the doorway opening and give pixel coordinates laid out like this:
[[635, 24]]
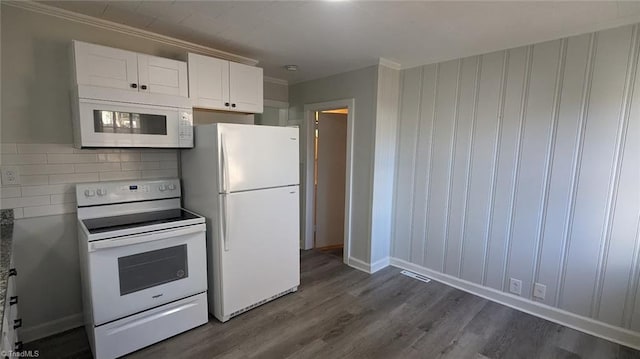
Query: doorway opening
[[330, 147], [328, 173]]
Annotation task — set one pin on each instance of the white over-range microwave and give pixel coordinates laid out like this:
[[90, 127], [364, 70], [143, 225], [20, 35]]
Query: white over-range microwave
[[99, 123]]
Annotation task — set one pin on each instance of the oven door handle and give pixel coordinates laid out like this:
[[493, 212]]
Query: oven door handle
[[142, 238]]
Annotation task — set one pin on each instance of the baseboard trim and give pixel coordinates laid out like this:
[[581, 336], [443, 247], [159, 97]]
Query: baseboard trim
[[368, 267], [380, 264], [359, 265], [53, 327], [587, 325]]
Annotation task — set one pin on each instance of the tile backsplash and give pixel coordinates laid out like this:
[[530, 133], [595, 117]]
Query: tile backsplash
[[48, 173]]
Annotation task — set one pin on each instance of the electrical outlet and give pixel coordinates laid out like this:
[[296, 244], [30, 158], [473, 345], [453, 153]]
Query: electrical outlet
[[515, 286], [10, 176], [539, 291]]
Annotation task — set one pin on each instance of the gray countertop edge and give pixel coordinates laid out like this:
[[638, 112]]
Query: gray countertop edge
[[6, 245]]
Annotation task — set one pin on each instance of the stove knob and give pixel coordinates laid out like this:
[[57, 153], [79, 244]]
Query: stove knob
[[162, 188], [172, 186], [89, 193]]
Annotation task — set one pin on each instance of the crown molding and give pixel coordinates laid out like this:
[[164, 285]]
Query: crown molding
[[129, 30], [276, 81], [390, 64]]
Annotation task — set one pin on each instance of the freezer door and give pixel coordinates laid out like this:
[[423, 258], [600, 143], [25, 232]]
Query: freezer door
[[256, 157], [259, 247]]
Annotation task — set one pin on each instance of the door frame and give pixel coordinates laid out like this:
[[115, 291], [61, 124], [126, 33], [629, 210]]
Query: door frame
[[309, 204]]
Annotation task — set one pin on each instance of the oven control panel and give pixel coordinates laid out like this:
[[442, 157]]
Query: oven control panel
[[97, 193]]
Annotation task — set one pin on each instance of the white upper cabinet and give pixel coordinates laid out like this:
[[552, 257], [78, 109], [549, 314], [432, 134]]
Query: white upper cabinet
[[208, 82], [162, 76], [245, 87], [223, 85], [107, 67]]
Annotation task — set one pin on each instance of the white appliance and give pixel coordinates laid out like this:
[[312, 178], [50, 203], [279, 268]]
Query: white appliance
[[121, 98], [99, 123], [143, 264], [244, 179]]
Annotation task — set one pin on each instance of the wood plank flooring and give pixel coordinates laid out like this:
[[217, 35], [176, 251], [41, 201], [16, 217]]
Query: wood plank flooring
[[339, 312]]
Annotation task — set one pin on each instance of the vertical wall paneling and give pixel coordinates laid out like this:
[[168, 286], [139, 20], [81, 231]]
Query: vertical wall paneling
[[406, 149], [598, 162], [474, 118], [535, 142], [525, 164], [423, 159], [632, 305], [482, 164], [494, 174], [623, 203], [452, 161], [575, 175], [506, 167], [549, 158], [460, 163], [630, 172], [441, 139], [518, 164], [561, 172]]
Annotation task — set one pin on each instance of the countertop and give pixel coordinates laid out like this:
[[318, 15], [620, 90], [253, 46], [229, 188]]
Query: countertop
[[6, 243]]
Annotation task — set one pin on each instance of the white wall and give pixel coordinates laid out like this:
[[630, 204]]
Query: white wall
[[36, 137], [375, 90], [388, 92], [360, 85], [525, 164]]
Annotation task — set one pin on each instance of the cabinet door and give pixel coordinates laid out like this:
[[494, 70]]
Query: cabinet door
[[245, 88], [208, 82], [158, 75], [105, 66]]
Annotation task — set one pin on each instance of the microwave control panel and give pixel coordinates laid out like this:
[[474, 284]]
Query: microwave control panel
[[185, 129]]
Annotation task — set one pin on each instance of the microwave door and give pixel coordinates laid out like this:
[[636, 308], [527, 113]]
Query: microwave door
[[105, 124]]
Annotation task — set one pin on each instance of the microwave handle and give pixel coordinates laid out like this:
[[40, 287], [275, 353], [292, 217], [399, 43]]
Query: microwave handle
[[154, 236]]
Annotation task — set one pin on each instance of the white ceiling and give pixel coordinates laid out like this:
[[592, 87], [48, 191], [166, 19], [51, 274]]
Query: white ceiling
[[329, 37]]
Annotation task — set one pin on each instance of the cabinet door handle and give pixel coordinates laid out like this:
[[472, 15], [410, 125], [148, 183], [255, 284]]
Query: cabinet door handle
[[233, 105], [226, 104], [134, 86], [13, 272], [17, 323], [18, 346], [13, 300], [144, 87]]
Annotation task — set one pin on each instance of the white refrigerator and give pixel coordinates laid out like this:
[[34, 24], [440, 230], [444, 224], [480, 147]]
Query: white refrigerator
[[245, 180]]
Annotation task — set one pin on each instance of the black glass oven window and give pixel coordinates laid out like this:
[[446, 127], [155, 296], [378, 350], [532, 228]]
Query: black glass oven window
[[153, 268], [106, 224], [128, 122]]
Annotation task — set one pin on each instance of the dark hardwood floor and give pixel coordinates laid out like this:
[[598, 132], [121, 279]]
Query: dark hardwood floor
[[339, 312]]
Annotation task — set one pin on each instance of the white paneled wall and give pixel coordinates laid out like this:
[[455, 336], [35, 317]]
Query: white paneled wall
[[49, 172], [525, 164]]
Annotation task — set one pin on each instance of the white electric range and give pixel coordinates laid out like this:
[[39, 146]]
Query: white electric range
[[143, 264]]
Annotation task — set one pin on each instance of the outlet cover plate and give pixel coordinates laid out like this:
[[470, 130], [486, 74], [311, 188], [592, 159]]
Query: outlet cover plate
[[515, 286], [10, 175], [539, 291]]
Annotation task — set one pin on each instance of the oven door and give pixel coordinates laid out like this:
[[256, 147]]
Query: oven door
[[114, 124], [133, 273]]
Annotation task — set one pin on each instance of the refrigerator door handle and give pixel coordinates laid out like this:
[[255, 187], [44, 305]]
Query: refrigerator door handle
[[225, 165], [225, 223]]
